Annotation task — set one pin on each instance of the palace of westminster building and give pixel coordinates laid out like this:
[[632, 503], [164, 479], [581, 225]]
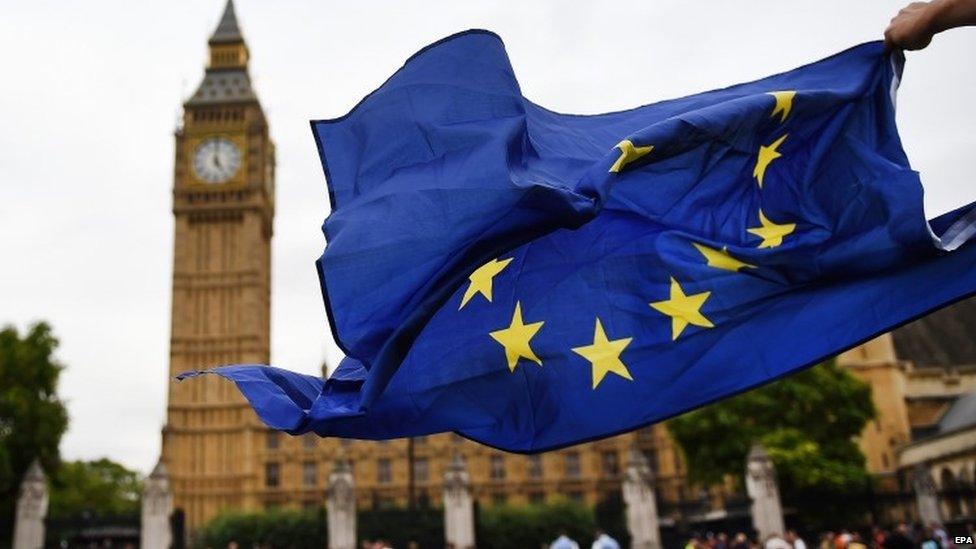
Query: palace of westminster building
[[221, 457]]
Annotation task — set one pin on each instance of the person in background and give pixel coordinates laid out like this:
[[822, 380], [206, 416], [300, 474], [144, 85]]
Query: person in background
[[564, 542], [940, 535], [877, 538], [899, 538], [774, 541], [604, 541], [740, 541], [929, 541], [916, 24], [721, 541], [856, 542], [795, 540], [842, 539]]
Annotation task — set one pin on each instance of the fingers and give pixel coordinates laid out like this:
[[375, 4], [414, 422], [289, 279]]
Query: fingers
[[909, 29]]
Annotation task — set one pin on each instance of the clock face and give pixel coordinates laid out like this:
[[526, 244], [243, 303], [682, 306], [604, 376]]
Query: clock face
[[216, 160]]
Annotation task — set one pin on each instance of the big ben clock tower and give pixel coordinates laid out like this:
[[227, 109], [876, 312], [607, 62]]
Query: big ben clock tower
[[223, 204]]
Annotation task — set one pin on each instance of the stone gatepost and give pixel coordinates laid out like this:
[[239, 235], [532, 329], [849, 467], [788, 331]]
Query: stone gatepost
[[31, 509], [767, 512], [341, 506], [157, 506], [638, 492], [458, 506], [926, 497]]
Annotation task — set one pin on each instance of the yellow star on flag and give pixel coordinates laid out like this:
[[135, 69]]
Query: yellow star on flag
[[683, 309], [784, 104], [771, 233], [720, 259], [604, 355], [628, 153], [767, 153], [515, 339], [481, 280]]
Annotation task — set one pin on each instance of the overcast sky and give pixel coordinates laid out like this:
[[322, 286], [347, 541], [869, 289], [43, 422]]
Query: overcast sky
[[90, 94]]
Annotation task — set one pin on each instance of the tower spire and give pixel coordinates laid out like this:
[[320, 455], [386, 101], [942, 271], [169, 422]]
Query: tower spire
[[227, 47], [227, 29], [226, 78]]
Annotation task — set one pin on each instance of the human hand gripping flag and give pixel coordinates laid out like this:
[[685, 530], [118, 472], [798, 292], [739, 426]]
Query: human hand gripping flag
[[533, 280]]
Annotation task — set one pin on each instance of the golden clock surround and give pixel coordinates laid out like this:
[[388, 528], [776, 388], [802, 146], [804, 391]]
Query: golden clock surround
[[239, 139]]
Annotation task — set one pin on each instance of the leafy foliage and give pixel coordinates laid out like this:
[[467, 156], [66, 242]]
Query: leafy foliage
[[102, 487], [611, 517], [399, 526], [273, 529], [499, 527], [807, 422], [511, 527], [32, 417]]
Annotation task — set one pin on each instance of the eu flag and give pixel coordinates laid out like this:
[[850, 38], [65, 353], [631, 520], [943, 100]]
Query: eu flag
[[531, 279]]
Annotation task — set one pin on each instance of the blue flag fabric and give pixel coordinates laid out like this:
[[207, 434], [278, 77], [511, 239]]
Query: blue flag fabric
[[531, 279]]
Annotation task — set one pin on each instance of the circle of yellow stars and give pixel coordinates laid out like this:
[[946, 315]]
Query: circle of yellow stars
[[684, 309]]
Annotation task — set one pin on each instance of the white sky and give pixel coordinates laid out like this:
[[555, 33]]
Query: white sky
[[90, 93]]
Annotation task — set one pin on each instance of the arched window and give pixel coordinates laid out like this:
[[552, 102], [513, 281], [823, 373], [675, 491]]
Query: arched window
[[950, 492], [965, 482], [964, 479]]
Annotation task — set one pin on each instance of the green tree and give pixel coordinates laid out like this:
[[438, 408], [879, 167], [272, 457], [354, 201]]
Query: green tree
[[32, 417], [808, 423], [103, 487]]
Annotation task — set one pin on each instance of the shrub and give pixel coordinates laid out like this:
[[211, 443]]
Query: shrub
[[498, 527], [274, 529], [521, 527]]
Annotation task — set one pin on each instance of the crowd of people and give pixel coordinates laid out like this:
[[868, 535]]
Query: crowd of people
[[902, 536], [740, 540], [601, 540], [374, 544]]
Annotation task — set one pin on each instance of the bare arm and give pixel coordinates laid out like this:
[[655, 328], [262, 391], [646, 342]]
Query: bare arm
[[916, 24]]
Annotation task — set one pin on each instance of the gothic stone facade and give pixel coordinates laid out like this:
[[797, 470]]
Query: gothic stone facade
[[223, 205], [222, 458]]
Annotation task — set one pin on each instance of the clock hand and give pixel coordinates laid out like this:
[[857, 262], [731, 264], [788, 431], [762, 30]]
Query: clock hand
[[217, 161]]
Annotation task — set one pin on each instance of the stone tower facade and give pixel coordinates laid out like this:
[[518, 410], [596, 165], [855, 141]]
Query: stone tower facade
[[875, 362], [221, 458], [223, 205]]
